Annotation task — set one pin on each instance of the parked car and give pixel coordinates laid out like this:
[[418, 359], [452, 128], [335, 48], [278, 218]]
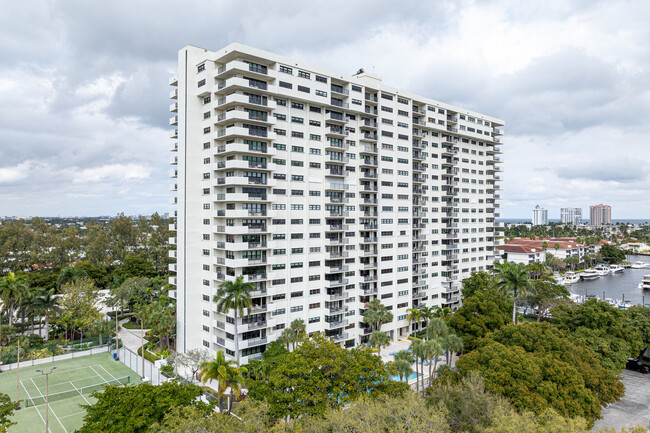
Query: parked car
[[635, 365]]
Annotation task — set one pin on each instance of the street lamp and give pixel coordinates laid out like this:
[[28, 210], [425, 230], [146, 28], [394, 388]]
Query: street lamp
[[47, 395]]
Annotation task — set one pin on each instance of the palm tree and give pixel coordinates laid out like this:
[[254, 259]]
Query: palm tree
[[100, 328], [436, 328], [70, 274], [234, 295], [433, 349], [418, 350], [514, 278], [299, 327], [288, 337], [376, 315], [379, 339], [46, 304], [427, 314], [217, 370], [452, 343], [234, 380], [13, 290], [403, 364], [413, 315]]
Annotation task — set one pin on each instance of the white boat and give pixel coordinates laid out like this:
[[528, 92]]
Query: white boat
[[645, 283], [589, 274], [571, 278], [639, 265], [602, 270], [616, 269]]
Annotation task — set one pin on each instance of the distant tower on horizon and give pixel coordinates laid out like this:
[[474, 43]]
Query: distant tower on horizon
[[571, 215], [540, 216], [600, 215]]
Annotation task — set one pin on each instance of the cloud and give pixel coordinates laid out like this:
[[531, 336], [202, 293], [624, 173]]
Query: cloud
[[114, 172], [84, 117]]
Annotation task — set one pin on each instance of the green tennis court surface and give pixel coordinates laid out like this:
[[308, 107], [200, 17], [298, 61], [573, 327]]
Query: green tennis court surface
[[70, 386]]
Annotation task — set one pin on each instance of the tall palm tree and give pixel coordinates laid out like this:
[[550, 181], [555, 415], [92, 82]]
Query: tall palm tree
[[514, 278], [403, 364], [452, 343], [379, 339], [13, 290], [427, 314], [70, 274], [234, 380], [288, 337], [419, 352], [436, 328], [46, 304], [217, 370], [413, 315], [234, 295], [299, 328], [433, 349]]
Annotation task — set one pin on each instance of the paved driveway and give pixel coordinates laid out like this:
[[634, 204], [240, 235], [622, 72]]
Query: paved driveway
[[633, 408]]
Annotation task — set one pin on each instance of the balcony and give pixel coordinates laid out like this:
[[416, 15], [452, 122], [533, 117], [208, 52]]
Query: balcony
[[173, 147], [336, 269], [173, 133], [338, 254], [237, 83], [246, 133], [368, 162], [369, 137], [240, 147], [173, 94], [173, 121], [367, 175], [173, 80], [339, 337], [239, 67], [335, 117], [243, 116], [337, 324], [336, 283], [337, 132], [173, 107], [249, 101], [255, 341]]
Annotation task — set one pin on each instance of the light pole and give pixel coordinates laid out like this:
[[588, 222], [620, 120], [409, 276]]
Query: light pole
[[142, 341], [47, 395], [117, 341], [18, 374]]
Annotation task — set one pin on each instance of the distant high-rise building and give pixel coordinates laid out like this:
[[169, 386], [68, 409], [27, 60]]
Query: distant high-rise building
[[571, 215], [600, 214], [540, 216]]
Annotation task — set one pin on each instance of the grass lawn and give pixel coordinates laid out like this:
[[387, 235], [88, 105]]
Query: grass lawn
[[69, 387]]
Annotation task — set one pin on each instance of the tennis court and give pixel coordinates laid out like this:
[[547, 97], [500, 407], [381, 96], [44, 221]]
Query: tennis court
[[70, 385]]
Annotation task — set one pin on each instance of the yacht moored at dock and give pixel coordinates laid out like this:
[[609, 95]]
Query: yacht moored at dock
[[639, 265], [616, 269], [589, 274], [645, 283], [570, 278]]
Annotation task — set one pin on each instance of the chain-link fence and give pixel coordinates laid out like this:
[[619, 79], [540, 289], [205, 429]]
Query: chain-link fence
[[52, 352]]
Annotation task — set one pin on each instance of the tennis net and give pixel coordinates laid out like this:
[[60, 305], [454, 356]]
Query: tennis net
[[38, 400]]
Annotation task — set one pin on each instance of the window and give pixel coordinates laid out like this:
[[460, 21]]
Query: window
[[200, 68], [319, 93], [281, 102], [297, 105], [321, 79], [201, 83], [299, 149], [286, 85], [295, 119], [304, 74], [286, 69], [304, 89]]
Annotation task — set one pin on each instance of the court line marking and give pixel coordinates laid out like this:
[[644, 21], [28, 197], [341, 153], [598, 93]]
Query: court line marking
[[77, 389], [68, 382], [57, 418], [102, 367], [100, 376], [46, 407], [73, 414]]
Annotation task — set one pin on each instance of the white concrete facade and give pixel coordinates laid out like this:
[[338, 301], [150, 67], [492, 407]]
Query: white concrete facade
[[571, 215], [540, 216], [326, 191]]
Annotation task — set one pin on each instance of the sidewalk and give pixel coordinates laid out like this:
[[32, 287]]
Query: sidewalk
[[130, 338]]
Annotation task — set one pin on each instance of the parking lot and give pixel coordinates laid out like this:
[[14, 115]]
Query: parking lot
[[633, 408]]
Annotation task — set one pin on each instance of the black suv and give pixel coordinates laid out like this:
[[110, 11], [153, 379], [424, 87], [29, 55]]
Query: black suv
[[634, 364]]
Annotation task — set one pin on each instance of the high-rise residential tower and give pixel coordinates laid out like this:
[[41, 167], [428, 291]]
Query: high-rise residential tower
[[600, 214], [571, 215], [325, 191], [540, 216]]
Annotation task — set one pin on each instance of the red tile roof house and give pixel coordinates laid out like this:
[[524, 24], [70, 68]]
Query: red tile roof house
[[567, 247]]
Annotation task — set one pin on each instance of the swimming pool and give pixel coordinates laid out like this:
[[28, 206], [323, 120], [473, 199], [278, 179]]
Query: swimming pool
[[395, 377]]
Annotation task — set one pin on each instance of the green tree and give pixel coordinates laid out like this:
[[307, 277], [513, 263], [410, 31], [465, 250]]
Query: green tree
[[234, 295], [403, 364], [611, 254], [433, 349], [46, 304], [79, 305], [479, 315], [288, 338], [513, 278], [379, 339], [436, 328], [298, 326], [13, 290], [413, 315], [100, 328], [7, 408], [136, 267], [545, 293], [70, 274], [376, 315], [319, 375], [478, 281], [217, 370], [193, 360], [134, 409], [452, 343], [536, 367]]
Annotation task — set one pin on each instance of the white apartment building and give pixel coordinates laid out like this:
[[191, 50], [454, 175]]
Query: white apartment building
[[571, 215], [540, 216], [325, 190]]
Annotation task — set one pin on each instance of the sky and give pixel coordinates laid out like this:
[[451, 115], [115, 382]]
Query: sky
[[84, 120]]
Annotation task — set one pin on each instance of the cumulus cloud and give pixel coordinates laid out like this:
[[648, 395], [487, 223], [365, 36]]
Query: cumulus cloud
[[115, 172]]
